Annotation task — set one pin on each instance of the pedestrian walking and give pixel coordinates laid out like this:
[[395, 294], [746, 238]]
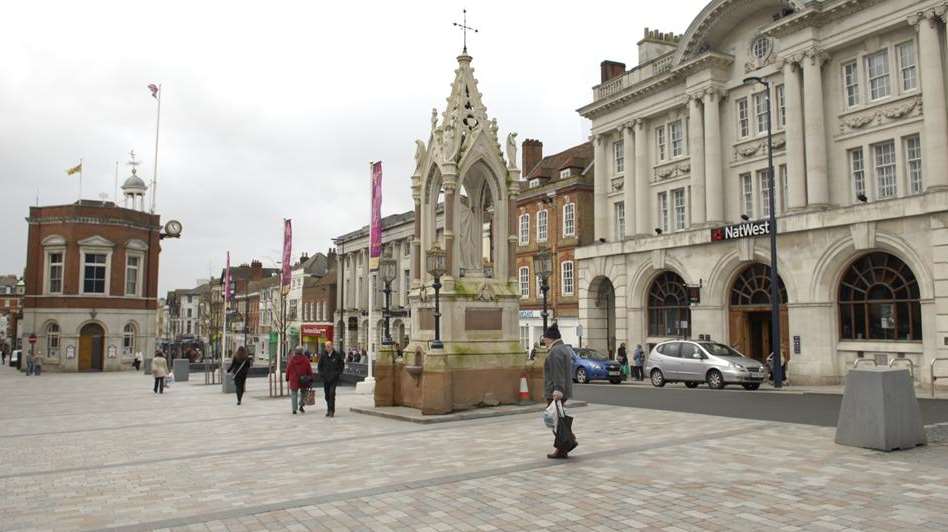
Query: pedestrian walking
[[624, 361], [557, 376], [137, 363], [29, 363], [296, 369], [239, 366], [638, 361], [330, 368], [3, 354], [37, 364], [159, 370]]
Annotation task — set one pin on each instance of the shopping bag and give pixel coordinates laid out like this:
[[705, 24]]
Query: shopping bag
[[310, 398], [564, 439], [549, 416]]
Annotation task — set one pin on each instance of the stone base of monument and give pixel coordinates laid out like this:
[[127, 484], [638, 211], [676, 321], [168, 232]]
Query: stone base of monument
[[880, 411], [414, 415]]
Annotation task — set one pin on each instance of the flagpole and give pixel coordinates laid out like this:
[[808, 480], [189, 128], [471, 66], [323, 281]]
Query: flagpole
[[154, 174]]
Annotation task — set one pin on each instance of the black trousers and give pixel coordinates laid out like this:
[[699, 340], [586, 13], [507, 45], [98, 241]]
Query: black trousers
[[329, 388], [159, 385], [240, 384]]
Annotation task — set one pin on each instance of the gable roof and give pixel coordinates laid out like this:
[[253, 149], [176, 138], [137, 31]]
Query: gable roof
[[578, 156]]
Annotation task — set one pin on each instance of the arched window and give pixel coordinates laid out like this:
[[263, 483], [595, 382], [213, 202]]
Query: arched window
[[752, 287], [669, 313], [52, 340], [128, 338], [879, 300]]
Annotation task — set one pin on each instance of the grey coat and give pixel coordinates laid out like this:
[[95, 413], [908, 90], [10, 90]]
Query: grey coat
[[558, 371]]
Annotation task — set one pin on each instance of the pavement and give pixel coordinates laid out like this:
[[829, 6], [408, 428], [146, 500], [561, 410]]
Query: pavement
[[101, 452]]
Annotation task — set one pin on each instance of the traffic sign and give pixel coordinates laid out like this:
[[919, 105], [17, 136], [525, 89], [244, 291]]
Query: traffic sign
[[32, 339]]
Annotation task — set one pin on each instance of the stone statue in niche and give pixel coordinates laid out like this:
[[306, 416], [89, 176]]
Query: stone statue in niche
[[469, 231], [419, 153], [512, 150]]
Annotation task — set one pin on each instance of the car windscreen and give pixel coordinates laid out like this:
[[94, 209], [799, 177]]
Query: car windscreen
[[720, 350], [592, 354]]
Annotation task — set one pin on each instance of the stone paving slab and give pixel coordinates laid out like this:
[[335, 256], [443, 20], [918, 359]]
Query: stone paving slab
[[413, 415], [103, 452]]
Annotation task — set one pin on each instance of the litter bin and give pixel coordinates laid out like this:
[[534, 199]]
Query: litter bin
[[182, 369]]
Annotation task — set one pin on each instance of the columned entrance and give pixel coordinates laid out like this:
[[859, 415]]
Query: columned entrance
[[91, 347], [602, 315], [750, 318]]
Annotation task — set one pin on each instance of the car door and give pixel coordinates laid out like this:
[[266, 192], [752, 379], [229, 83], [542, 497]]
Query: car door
[[690, 362], [669, 361]]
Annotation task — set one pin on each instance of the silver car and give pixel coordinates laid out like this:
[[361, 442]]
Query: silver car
[[696, 362]]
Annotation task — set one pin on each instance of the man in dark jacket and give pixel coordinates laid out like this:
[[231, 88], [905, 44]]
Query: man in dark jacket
[[557, 375], [330, 368]]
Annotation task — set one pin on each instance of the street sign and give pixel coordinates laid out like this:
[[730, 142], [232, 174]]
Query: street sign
[[32, 339]]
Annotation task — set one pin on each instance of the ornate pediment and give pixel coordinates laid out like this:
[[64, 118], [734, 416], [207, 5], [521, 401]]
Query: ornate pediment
[[96, 242]]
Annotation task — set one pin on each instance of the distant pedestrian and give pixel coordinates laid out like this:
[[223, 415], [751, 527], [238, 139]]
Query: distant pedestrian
[[297, 369], [239, 366], [137, 363], [37, 364], [557, 376], [29, 363], [159, 370], [623, 361], [330, 368], [3, 354], [638, 363]]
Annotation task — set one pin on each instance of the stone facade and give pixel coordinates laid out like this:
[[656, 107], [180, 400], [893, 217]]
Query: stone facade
[[861, 160]]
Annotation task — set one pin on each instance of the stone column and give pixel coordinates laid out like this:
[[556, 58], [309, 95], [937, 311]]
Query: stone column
[[600, 189], [628, 186], [696, 152], [512, 232], [643, 193], [933, 97], [796, 159], [714, 182], [416, 244], [817, 184], [450, 188]]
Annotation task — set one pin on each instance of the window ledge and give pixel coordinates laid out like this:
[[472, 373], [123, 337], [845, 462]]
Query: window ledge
[[885, 346]]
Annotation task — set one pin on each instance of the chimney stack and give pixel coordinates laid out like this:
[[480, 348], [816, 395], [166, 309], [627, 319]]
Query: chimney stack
[[532, 153], [610, 69], [256, 270]]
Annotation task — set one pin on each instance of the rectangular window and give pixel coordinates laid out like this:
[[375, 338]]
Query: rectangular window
[[851, 83], [569, 219], [618, 149], [857, 171], [55, 261], [760, 111], [93, 273], [542, 226], [663, 211], [524, 229], [784, 188], [525, 337], [131, 275], [743, 118], [913, 159], [566, 172], [747, 195], [781, 107], [620, 220], [678, 201], [189, 312], [764, 184], [524, 282], [566, 275], [877, 73], [884, 164], [907, 66], [660, 143], [676, 132]]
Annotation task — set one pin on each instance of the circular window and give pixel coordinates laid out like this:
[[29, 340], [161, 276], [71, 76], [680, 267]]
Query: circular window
[[761, 47]]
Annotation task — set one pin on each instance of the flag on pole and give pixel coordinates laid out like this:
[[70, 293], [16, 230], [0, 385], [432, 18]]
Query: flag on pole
[[75, 169], [287, 254], [154, 90], [227, 280], [375, 223]]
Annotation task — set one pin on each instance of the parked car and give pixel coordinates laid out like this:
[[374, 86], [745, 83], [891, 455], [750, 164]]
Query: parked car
[[589, 365], [695, 362], [14, 356]]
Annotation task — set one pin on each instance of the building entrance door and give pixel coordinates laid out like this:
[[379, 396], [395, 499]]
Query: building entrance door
[[91, 348], [750, 313]]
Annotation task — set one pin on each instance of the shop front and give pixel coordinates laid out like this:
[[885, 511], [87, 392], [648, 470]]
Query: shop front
[[315, 335]]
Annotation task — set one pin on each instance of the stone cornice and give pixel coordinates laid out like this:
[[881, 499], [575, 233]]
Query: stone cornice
[[89, 220], [816, 16]]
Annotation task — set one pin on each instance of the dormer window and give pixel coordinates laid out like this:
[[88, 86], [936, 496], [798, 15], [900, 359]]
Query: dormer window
[[566, 172], [534, 183]]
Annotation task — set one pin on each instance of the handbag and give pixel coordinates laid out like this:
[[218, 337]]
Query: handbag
[[306, 381], [310, 398], [564, 439]]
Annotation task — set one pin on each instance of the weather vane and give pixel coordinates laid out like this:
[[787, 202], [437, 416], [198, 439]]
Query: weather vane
[[133, 163], [464, 27]]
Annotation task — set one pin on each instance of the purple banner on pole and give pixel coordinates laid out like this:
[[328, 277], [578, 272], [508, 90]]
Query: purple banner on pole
[[227, 280], [375, 226], [287, 253]]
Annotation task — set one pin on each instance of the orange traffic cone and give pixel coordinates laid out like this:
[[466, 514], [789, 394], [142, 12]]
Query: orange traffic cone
[[524, 390]]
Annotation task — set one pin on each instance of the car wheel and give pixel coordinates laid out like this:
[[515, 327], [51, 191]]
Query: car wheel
[[581, 376], [658, 379], [615, 381], [752, 386], [691, 384], [715, 380]]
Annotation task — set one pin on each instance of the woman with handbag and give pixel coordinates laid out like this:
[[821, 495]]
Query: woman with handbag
[[296, 369], [239, 366]]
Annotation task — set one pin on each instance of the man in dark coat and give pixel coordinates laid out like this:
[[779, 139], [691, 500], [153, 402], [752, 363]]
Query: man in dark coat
[[557, 374], [330, 368]]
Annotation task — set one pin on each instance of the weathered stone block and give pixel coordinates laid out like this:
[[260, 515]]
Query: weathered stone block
[[880, 411], [182, 369]]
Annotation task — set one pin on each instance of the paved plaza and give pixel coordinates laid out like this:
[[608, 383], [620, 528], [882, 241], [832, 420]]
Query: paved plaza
[[100, 451]]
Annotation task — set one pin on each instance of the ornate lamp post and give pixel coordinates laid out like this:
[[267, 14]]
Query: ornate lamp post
[[388, 267], [777, 368], [543, 266], [435, 264]]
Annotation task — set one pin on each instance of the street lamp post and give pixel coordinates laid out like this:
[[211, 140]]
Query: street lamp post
[[435, 263], [388, 267], [543, 265], [777, 364]]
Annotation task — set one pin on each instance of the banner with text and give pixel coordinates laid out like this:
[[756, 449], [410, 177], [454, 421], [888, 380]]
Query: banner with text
[[287, 254]]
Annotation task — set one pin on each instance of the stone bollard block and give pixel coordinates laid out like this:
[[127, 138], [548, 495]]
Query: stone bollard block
[[880, 411], [146, 366], [182, 369], [227, 385]]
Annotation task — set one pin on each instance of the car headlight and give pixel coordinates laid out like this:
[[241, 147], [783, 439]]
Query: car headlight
[[738, 366]]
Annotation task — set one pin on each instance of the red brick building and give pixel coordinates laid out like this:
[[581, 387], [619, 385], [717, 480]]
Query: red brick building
[[554, 211]]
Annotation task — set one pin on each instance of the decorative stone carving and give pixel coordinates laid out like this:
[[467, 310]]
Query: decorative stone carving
[[881, 115], [511, 150], [758, 147], [486, 293], [672, 170], [864, 235], [420, 151], [618, 183]]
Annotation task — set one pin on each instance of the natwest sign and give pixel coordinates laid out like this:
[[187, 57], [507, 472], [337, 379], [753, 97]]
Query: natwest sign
[[744, 230], [316, 329]]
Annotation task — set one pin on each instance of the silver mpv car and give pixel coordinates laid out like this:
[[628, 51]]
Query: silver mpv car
[[696, 362]]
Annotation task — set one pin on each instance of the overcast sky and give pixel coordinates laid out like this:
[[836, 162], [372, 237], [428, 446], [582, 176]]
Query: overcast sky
[[273, 110]]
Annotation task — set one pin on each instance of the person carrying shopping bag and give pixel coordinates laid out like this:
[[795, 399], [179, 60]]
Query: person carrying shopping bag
[[159, 370], [296, 369], [558, 388]]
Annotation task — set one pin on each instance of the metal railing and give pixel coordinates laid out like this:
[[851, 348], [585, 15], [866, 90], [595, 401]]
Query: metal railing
[[901, 358], [936, 377], [858, 360]]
